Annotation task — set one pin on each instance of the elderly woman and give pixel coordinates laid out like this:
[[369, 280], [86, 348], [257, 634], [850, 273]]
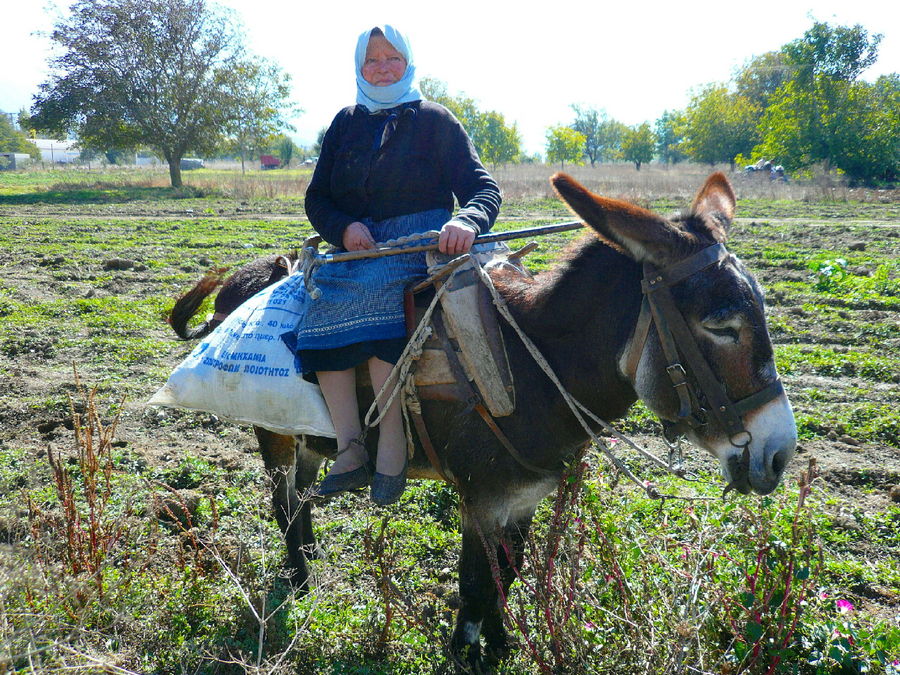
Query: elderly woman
[[389, 166]]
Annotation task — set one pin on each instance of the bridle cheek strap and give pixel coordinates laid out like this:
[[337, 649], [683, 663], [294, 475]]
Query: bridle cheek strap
[[678, 344]]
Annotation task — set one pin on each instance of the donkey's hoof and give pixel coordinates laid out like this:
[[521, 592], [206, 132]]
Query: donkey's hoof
[[467, 658]]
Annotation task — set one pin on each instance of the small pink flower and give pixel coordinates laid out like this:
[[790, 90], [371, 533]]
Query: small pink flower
[[823, 595], [589, 625], [844, 606]]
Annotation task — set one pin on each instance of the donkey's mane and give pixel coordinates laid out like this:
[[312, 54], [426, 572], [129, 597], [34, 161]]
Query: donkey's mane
[[527, 292]]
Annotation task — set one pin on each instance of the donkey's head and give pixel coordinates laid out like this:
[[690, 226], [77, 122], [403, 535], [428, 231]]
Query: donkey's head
[[700, 356]]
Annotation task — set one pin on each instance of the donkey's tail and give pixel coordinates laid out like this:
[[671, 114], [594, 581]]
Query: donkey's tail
[[188, 304]]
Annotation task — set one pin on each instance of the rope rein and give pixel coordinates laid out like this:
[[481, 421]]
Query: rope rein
[[576, 406]]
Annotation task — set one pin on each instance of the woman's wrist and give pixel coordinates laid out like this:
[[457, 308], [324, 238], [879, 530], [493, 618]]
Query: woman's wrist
[[471, 226]]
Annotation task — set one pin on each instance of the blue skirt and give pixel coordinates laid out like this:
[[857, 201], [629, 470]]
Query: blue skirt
[[361, 300]]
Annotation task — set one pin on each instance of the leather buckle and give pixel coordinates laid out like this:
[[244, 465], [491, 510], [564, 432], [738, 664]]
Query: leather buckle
[[677, 374]]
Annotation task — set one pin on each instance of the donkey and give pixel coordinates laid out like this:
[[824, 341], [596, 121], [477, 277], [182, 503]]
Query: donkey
[[250, 279], [707, 371]]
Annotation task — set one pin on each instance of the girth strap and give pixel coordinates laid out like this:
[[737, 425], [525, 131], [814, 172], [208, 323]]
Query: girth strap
[[427, 445]]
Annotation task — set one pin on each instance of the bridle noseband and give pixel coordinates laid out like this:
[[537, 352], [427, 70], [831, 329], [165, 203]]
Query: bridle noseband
[[683, 355]]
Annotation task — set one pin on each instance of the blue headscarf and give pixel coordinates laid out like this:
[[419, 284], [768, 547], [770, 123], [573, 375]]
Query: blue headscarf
[[381, 98]]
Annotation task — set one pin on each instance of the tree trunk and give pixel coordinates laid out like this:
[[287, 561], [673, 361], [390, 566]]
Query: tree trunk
[[637, 165], [175, 170]]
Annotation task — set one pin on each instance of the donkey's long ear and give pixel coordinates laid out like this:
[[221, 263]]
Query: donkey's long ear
[[714, 203], [640, 234]]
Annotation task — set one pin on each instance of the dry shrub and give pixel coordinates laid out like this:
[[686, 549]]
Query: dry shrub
[[603, 594]]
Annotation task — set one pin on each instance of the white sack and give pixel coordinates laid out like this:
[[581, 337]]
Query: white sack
[[244, 372]]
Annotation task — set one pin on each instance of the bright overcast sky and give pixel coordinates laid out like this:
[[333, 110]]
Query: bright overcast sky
[[529, 61]]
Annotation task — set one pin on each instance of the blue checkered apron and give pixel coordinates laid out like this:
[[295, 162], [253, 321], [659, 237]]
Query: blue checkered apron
[[362, 300]]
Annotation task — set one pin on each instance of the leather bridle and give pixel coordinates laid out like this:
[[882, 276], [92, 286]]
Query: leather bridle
[[702, 399]]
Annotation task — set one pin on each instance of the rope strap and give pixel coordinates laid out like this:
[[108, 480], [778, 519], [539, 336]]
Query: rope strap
[[575, 406]]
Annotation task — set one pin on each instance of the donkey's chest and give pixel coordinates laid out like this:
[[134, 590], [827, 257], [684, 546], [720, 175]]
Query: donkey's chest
[[516, 503]]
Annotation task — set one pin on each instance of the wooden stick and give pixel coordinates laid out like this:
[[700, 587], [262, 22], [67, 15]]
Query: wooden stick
[[480, 239]]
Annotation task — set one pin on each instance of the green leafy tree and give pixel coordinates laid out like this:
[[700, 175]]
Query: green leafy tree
[[612, 132], [564, 144], [463, 108], [495, 141], [501, 142], [762, 76], [14, 140], [837, 52], [590, 122], [257, 95], [851, 126], [158, 73], [639, 145], [718, 126], [669, 137], [603, 135], [824, 115], [285, 149]]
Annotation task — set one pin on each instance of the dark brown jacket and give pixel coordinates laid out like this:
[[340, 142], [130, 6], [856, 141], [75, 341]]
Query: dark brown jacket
[[426, 161]]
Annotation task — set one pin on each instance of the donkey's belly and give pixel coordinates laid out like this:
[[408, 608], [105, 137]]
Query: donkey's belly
[[517, 503]]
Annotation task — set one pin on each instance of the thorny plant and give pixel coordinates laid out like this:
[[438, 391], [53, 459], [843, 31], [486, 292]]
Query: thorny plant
[[381, 556], [86, 526], [765, 617], [551, 597], [594, 586]]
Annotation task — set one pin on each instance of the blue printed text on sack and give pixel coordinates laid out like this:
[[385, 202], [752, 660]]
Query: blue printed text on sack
[[266, 370], [244, 356], [219, 365]]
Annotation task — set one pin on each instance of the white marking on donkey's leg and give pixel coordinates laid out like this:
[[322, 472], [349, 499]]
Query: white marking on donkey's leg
[[471, 632]]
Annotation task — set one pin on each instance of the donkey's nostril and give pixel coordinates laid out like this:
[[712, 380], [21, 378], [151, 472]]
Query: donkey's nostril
[[779, 460]]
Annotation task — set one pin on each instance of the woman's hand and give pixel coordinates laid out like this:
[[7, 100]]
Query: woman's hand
[[456, 237], [357, 237]]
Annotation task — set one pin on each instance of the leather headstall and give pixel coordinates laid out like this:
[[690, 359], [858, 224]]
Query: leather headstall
[[702, 398]]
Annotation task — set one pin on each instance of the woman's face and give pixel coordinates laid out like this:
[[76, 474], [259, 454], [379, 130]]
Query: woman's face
[[383, 65]]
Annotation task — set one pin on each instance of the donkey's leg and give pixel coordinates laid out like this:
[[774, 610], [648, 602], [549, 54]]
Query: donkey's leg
[[510, 557], [477, 588], [280, 457], [308, 465]]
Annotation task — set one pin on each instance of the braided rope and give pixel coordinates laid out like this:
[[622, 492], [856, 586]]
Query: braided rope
[[310, 260], [400, 242], [307, 265], [400, 379], [576, 406]]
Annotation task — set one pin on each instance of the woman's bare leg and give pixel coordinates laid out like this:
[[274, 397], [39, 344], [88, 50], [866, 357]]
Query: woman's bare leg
[[339, 389], [391, 438]]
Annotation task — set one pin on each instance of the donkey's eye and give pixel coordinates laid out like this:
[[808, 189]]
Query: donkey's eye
[[724, 330], [727, 333]]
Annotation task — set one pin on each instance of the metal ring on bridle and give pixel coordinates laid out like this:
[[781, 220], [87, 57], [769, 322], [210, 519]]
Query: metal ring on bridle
[[741, 434]]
